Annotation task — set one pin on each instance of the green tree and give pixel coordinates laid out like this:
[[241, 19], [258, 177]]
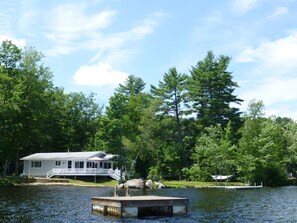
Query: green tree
[[261, 148], [10, 57], [290, 134], [34, 85], [171, 93], [211, 91], [81, 121], [24, 85], [119, 128], [133, 86], [214, 155]]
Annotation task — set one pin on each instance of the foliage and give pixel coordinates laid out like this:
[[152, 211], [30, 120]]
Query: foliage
[[10, 181], [261, 148], [120, 128], [185, 128], [133, 86], [34, 115], [214, 155], [290, 138], [211, 91], [171, 93]]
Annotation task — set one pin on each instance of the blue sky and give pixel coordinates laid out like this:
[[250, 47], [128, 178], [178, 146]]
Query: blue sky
[[93, 45]]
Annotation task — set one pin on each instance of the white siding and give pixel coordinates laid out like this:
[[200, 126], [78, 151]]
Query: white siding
[[46, 165]]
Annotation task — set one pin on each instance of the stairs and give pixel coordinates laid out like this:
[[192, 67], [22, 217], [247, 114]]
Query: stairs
[[116, 174], [49, 174]]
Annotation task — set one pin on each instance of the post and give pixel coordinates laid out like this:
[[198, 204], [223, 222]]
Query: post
[[105, 210], [127, 191], [115, 192], [95, 179], [121, 173]]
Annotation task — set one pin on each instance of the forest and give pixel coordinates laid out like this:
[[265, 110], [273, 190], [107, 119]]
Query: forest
[[188, 127]]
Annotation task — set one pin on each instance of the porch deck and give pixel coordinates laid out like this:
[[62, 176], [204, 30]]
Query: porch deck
[[115, 174]]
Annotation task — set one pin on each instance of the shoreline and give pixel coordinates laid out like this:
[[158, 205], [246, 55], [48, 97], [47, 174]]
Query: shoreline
[[60, 184], [111, 184]]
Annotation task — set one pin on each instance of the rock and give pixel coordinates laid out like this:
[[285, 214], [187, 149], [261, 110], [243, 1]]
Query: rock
[[149, 184], [159, 185], [135, 183]]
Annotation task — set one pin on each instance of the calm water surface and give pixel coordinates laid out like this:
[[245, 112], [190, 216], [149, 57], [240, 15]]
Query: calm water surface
[[72, 204]]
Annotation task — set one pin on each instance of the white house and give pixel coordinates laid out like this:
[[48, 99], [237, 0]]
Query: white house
[[47, 165]]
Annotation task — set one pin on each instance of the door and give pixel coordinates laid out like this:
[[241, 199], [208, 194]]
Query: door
[[69, 165]]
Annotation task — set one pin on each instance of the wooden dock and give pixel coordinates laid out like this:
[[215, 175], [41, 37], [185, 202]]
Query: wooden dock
[[138, 206], [242, 187]]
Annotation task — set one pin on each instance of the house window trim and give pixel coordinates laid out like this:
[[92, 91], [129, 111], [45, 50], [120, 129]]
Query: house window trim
[[81, 165], [34, 166], [92, 165]]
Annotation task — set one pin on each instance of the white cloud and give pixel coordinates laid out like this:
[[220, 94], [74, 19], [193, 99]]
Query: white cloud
[[282, 10], [72, 28], [70, 22], [272, 90], [113, 48], [27, 16], [99, 75], [242, 7], [120, 47], [279, 54], [19, 42], [272, 75]]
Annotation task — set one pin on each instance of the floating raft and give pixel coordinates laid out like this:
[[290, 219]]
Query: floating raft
[[138, 206]]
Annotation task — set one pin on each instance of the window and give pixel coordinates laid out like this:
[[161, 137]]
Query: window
[[79, 165], [91, 165], [58, 163], [36, 164]]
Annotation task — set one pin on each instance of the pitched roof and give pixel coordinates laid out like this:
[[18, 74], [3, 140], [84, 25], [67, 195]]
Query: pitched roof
[[67, 156]]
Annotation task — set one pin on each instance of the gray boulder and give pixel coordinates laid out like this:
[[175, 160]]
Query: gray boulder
[[149, 184], [159, 185], [135, 183]]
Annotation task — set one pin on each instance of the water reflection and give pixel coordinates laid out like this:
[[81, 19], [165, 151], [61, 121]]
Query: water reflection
[[72, 204]]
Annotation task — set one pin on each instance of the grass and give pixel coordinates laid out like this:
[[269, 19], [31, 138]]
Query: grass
[[191, 184], [17, 180], [168, 184]]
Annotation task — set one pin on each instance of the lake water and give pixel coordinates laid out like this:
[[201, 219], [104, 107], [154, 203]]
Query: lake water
[[72, 204]]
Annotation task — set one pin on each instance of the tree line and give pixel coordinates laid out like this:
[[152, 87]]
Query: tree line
[[186, 127]]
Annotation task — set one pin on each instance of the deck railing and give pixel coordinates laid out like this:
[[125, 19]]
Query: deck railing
[[115, 174]]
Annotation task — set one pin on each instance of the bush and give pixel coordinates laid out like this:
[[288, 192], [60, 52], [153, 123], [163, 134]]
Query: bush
[[154, 174], [5, 182], [10, 181], [270, 176], [195, 173]]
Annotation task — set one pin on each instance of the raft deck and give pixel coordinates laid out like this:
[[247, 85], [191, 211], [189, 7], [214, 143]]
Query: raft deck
[[137, 206]]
